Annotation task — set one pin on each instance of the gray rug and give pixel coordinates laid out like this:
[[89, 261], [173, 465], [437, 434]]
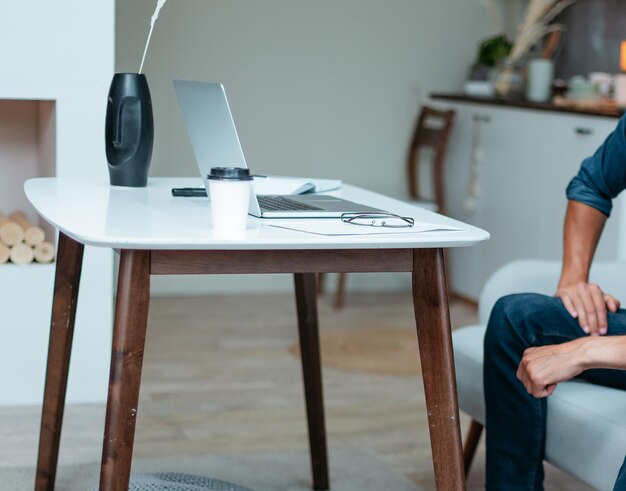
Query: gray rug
[[350, 470]]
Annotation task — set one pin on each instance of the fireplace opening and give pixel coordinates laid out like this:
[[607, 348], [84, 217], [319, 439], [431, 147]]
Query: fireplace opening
[[27, 150]]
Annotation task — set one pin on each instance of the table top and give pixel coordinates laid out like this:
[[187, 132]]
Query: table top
[[95, 213]]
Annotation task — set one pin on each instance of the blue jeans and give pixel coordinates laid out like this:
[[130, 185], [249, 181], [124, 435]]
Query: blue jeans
[[515, 420]]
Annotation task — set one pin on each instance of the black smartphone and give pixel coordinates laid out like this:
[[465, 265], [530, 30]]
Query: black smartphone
[[189, 192]]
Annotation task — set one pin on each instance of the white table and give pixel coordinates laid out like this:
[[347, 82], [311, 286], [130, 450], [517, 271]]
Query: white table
[[156, 234]]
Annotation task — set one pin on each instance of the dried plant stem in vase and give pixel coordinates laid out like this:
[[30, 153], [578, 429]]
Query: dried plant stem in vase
[[155, 16]]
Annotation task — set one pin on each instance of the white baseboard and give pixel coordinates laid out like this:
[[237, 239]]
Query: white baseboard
[[165, 286]]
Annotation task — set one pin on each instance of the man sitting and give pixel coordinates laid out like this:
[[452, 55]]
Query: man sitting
[[533, 341]]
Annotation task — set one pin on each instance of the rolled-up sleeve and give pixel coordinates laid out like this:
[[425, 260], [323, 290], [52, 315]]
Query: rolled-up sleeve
[[602, 176]]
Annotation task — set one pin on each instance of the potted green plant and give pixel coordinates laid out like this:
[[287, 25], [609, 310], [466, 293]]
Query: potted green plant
[[491, 52]]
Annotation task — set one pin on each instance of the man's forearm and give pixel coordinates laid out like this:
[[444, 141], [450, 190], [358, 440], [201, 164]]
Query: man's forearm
[[604, 352], [543, 367], [582, 230]]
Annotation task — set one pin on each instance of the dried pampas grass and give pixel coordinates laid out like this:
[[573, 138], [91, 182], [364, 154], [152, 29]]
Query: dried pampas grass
[[494, 13], [536, 24], [155, 16]]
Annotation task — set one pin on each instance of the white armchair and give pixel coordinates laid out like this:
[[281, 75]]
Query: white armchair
[[586, 426]]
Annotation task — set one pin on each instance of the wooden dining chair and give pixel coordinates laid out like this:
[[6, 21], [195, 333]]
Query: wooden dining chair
[[431, 132]]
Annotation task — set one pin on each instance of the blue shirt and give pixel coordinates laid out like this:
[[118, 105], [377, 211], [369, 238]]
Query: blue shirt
[[602, 176]]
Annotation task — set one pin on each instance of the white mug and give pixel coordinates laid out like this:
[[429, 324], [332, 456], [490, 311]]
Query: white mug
[[603, 82], [540, 75], [620, 89]]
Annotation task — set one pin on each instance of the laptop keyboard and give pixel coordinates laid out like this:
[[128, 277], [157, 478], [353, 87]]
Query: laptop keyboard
[[280, 203]]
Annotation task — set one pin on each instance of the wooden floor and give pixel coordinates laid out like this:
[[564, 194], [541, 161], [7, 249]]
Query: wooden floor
[[219, 377]]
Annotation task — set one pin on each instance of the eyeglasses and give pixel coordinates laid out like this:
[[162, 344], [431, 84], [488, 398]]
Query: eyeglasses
[[388, 220]]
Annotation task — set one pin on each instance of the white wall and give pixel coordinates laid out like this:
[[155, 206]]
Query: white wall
[[60, 51], [326, 88]]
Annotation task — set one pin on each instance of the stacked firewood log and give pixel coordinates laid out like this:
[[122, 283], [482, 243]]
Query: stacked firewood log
[[22, 242]]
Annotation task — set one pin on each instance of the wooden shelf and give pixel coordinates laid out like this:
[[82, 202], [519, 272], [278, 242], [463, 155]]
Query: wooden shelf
[[524, 104]]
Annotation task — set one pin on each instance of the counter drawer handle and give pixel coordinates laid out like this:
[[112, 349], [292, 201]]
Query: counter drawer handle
[[482, 118], [584, 131]]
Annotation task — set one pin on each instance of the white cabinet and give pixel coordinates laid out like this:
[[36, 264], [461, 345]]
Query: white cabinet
[[525, 159]]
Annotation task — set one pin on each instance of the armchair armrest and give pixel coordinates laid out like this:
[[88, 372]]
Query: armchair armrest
[[518, 277], [542, 277]]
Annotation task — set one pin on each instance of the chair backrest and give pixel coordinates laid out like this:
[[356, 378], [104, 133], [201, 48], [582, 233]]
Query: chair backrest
[[432, 129]]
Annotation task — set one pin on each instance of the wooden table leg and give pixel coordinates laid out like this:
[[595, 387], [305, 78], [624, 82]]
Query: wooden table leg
[[129, 334], [306, 301], [340, 295], [430, 299], [66, 282]]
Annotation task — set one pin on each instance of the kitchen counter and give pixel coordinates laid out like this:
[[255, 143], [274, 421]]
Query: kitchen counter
[[524, 104]]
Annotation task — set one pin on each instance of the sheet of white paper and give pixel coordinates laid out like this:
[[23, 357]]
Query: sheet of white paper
[[337, 227]]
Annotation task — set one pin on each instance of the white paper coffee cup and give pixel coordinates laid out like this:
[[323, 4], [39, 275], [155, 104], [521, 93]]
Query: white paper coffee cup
[[229, 188]]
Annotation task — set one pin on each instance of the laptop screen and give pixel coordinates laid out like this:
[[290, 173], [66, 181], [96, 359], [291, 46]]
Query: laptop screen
[[210, 125]]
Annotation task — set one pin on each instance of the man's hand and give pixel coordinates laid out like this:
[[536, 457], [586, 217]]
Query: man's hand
[[588, 303], [544, 367]]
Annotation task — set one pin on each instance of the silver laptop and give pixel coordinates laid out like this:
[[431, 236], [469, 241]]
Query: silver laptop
[[215, 143]]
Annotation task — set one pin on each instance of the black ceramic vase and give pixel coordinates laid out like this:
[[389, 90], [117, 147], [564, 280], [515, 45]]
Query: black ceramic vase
[[129, 130]]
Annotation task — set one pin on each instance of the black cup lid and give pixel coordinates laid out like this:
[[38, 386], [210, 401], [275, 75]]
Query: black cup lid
[[229, 174]]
